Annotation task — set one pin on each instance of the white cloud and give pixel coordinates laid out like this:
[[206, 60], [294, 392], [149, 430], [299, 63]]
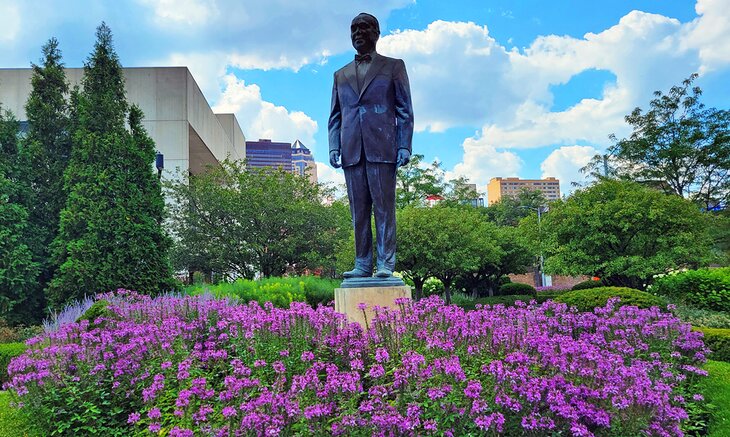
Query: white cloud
[[326, 174], [262, 119], [565, 163], [483, 161], [265, 34], [11, 21], [182, 12], [459, 74], [709, 34]]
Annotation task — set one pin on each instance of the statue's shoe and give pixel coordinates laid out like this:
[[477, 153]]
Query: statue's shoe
[[357, 273], [384, 273]]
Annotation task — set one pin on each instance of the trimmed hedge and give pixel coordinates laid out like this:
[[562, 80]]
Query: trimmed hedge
[[703, 288], [497, 300], [544, 296], [588, 299], [9, 351], [98, 309], [585, 285], [280, 291], [516, 288], [718, 340]]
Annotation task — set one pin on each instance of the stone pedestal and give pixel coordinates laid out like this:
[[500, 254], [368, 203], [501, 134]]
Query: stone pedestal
[[347, 300]]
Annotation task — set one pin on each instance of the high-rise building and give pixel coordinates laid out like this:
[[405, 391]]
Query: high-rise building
[[267, 153], [303, 162], [499, 187], [176, 115]]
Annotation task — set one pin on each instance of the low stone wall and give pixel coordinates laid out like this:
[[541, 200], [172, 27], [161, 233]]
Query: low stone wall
[[558, 280]]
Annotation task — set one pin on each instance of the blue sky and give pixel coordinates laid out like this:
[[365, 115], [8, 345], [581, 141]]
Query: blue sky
[[501, 88]]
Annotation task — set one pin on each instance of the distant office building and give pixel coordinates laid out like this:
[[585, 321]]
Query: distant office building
[[499, 187], [476, 201], [266, 153], [303, 162], [176, 115]]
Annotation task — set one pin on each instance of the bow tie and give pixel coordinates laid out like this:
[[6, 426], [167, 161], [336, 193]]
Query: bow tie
[[363, 58]]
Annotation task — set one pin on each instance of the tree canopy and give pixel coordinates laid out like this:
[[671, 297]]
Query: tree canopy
[[110, 233], [677, 145], [238, 221], [623, 233]]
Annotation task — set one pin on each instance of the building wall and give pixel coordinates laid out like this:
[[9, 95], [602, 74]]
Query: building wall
[[267, 153], [499, 187], [177, 116]]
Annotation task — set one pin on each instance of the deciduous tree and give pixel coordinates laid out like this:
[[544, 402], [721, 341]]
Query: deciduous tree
[[624, 233]]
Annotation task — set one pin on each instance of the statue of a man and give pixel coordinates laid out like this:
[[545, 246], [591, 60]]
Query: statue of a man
[[370, 129]]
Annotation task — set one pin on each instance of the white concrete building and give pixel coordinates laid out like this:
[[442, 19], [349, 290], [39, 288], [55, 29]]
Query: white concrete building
[[177, 116]]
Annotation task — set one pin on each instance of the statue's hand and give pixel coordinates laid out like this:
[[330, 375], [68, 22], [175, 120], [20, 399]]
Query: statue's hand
[[335, 159], [404, 157]]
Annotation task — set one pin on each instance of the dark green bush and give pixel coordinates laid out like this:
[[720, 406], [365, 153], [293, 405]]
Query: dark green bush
[[514, 288], [8, 351], [588, 299], [100, 308], [704, 288], [280, 291], [544, 296], [497, 300], [585, 285], [718, 340]]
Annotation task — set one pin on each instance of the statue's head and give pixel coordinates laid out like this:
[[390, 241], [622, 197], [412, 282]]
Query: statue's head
[[364, 32]]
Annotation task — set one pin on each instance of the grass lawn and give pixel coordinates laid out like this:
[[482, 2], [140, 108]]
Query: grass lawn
[[12, 422], [717, 392]]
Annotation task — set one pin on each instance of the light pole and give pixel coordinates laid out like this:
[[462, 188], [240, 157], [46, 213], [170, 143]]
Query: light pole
[[159, 164], [539, 236]]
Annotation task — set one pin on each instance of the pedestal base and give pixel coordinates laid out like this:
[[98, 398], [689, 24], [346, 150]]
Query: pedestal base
[[347, 300]]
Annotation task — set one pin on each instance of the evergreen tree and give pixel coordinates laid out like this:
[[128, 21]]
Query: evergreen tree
[[110, 230], [45, 152], [18, 272]]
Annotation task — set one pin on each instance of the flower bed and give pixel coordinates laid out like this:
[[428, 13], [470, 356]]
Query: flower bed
[[189, 363]]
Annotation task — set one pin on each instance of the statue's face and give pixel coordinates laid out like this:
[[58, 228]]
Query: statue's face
[[364, 34]]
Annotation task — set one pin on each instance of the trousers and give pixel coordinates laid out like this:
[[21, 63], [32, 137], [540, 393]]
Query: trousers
[[371, 190]]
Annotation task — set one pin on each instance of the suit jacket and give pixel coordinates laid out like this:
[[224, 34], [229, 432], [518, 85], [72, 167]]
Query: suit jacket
[[378, 119]]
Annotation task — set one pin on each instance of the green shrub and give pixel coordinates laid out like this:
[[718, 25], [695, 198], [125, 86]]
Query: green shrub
[[497, 300], [704, 288], [9, 351], [544, 296], [588, 299], [718, 341], [514, 288], [280, 291], [432, 286], [100, 308], [585, 285], [700, 317]]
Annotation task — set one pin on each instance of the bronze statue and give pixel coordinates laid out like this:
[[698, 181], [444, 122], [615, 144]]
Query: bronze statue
[[370, 129]]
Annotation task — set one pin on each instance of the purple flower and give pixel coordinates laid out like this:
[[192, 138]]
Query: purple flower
[[133, 418]]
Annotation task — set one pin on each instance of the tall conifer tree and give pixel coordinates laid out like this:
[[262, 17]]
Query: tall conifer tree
[[18, 271], [110, 231], [45, 153]]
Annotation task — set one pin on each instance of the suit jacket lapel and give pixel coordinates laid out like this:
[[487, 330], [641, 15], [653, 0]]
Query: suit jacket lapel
[[377, 64], [351, 76]]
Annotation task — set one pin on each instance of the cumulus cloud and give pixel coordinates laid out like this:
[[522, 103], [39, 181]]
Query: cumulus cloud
[[459, 74], [265, 33], [565, 163], [709, 34], [11, 21], [262, 119], [483, 162], [184, 12], [326, 174]]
